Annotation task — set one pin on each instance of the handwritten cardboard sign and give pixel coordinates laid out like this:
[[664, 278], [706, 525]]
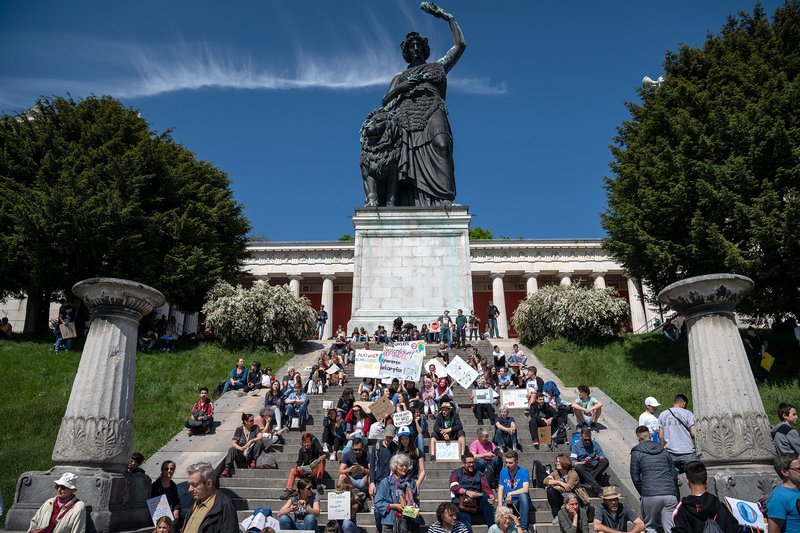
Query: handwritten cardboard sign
[[460, 371], [514, 398], [403, 418], [159, 506], [381, 408], [438, 363], [448, 451], [339, 505]]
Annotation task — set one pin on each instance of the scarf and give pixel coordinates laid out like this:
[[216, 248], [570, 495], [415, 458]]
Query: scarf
[[403, 493]]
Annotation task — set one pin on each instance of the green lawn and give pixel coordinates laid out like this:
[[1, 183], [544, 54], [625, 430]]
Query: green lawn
[[35, 397], [630, 368]]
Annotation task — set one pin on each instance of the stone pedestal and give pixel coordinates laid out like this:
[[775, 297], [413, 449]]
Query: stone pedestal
[[96, 435], [733, 437], [412, 262]]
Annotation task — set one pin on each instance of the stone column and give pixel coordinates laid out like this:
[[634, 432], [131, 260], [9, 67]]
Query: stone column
[[532, 282], [327, 301], [638, 319], [732, 427], [294, 286], [599, 280], [565, 277], [190, 323], [650, 313], [95, 440], [499, 299]]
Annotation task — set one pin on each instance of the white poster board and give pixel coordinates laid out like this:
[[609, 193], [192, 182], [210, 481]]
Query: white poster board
[[403, 418], [327, 404], [448, 451], [746, 513], [441, 371], [482, 396], [514, 398], [339, 505], [460, 371], [368, 363], [158, 507], [332, 370], [402, 361]]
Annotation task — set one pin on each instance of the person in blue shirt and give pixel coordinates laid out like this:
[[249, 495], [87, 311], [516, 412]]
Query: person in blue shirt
[[238, 377], [589, 459], [783, 514], [396, 492], [505, 430], [297, 405], [503, 379], [514, 487]]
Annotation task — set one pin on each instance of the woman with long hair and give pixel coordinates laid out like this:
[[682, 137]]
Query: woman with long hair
[[164, 485], [407, 446], [562, 480], [301, 509], [274, 401]]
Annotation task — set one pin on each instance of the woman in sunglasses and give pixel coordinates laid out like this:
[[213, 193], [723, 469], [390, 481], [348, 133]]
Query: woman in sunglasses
[[164, 485]]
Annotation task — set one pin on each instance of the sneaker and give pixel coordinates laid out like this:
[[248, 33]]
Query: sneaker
[[332, 457], [285, 495], [225, 473], [433, 458], [555, 521], [282, 431], [532, 528], [190, 432], [325, 448], [320, 489], [252, 464]]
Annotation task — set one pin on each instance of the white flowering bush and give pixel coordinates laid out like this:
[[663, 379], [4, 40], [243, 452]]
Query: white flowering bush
[[580, 314], [262, 315]]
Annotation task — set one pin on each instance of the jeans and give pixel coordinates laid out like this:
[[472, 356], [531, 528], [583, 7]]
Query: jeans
[[236, 386], [484, 410], [350, 526], [446, 336], [461, 339], [287, 523], [496, 462], [298, 410], [589, 474], [555, 499], [484, 508], [523, 504], [503, 439], [60, 341], [320, 329], [361, 483], [493, 332]]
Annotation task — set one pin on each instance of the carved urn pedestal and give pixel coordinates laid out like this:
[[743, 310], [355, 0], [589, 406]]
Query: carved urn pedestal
[[733, 438], [95, 439]]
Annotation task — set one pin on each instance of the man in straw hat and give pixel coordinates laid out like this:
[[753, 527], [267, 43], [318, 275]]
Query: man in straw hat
[[613, 517], [64, 513]]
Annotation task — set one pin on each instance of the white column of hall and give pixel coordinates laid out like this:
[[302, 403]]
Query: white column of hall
[[565, 277], [532, 282], [327, 301], [638, 319], [294, 286], [499, 299], [599, 280]]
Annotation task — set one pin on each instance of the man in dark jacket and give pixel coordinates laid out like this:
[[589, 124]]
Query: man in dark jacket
[[654, 477], [542, 414], [695, 510], [447, 428], [212, 511]]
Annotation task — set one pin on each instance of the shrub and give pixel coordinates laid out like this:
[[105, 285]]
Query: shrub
[[262, 315], [573, 312]]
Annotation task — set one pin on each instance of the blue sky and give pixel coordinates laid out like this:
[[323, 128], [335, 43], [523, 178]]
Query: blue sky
[[274, 93]]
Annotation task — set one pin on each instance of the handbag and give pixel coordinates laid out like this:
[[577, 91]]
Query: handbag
[[467, 504]]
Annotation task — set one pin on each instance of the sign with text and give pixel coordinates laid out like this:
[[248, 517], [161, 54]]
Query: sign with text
[[368, 363], [403, 418], [460, 371], [438, 363], [448, 451], [339, 505], [381, 408], [747, 513], [402, 361], [332, 370], [514, 398], [482, 396], [159, 506]]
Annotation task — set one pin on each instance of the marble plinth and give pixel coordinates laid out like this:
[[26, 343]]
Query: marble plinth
[[95, 439], [733, 438], [412, 262]]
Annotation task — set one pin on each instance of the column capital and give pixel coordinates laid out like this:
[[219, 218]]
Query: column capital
[[565, 273], [533, 274], [295, 277], [329, 277], [599, 274], [497, 275]]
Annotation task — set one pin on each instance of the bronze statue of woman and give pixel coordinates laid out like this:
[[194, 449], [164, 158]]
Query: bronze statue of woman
[[426, 174]]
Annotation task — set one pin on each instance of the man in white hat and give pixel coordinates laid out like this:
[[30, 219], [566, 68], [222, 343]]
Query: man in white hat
[[649, 418], [65, 512]]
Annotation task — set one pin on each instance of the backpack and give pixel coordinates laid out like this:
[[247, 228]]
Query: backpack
[[560, 435], [711, 526], [539, 472]]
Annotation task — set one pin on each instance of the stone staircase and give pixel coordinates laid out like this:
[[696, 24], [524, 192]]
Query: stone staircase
[[251, 489]]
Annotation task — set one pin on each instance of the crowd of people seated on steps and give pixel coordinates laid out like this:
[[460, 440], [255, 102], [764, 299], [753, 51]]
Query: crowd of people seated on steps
[[384, 466]]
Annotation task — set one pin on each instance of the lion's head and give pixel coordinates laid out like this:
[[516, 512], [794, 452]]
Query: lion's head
[[380, 131]]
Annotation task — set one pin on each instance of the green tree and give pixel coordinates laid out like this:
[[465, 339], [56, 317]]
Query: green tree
[[573, 312], [478, 233], [707, 174], [87, 189], [346, 237]]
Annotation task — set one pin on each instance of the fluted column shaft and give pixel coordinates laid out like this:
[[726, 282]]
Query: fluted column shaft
[[599, 280], [97, 429], [532, 284], [327, 301], [638, 319], [499, 299], [294, 286]]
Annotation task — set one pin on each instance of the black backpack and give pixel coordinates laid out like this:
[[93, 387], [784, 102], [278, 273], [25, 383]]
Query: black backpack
[[538, 473], [560, 435]]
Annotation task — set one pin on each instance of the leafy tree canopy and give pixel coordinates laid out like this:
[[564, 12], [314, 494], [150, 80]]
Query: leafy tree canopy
[[346, 237], [478, 233], [87, 189], [707, 173]]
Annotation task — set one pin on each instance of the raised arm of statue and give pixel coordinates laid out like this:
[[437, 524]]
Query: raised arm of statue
[[459, 45]]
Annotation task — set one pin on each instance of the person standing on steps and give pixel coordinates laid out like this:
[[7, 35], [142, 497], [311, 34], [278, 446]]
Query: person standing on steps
[[322, 318], [677, 432]]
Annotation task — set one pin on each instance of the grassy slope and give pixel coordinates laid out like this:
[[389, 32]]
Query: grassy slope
[[35, 385], [631, 368]]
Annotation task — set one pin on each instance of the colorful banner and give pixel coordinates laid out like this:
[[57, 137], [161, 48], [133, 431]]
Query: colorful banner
[[460, 371], [368, 363], [402, 361], [514, 398]]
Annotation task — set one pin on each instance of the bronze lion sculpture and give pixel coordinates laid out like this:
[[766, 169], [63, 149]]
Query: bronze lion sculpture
[[380, 152]]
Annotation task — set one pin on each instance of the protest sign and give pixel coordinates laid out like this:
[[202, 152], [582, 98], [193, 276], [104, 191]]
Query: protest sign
[[447, 451], [327, 404], [402, 361], [339, 505], [746, 513], [514, 398], [332, 370], [381, 408], [403, 418], [545, 435], [460, 371], [368, 363], [159, 506], [438, 363], [482, 396], [363, 405]]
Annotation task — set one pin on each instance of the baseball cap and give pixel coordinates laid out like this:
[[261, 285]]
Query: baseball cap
[[651, 402]]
